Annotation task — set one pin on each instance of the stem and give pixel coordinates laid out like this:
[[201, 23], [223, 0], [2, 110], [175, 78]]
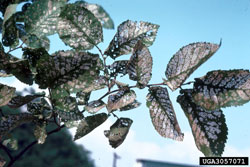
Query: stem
[[53, 112], [19, 47], [6, 150]]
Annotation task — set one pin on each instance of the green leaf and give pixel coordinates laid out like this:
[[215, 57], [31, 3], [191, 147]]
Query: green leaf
[[10, 122], [208, 127], [10, 33], [127, 36], [222, 88], [118, 131], [140, 65], [82, 98], [79, 28], [162, 113], [42, 17], [10, 10], [67, 103], [40, 133], [19, 101], [186, 61], [94, 106], [118, 67], [5, 3], [6, 93], [131, 106], [100, 14], [89, 124], [120, 99], [68, 116], [11, 143]]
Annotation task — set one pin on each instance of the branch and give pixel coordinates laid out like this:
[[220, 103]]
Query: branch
[[19, 47], [6, 150]]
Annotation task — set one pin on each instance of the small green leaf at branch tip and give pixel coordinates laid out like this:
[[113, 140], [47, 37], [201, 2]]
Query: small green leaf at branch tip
[[186, 61]]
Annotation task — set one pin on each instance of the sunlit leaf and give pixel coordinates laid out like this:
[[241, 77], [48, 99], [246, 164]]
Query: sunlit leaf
[[6, 93], [78, 27], [222, 88], [9, 122], [5, 3], [100, 14], [140, 65], [208, 127], [118, 67], [18, 100], [131, 106], [40, 133], [82, 97], [94, 106], [186, 61], [41, 18], [162, 113], [89, 124], [118, 131], [120, 99], [11, 143], [73, 115], [127, 36]]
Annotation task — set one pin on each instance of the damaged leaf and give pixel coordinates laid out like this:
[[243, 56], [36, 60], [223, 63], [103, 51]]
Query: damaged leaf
[[6, 93], [94, 106], [68, 116], [40, 133], [118, 67], [82, 98], [131, 106]]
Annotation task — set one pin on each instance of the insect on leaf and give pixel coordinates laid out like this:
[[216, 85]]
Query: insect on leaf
[[80, 30], [140, 65], [162, 113], [118, 67], [118, 131], [186, 61], [222, 88], [40, 133], [127, 36], [6, 93], [89, 123], [94, 106], [208, 127], [120, 99]]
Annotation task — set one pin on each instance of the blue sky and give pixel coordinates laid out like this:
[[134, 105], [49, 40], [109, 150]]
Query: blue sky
[[181, 22]]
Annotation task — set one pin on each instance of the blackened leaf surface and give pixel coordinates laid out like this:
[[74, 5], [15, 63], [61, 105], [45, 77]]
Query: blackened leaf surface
[[208, 127], [118, 131], [78, 27], [131, 106], [120, 99], [140, 65], [94, 106], [6, 93], [118, 67], [222, 88], [89, 124], [40, 133], [186, 61], [162, 113], [127, 36]]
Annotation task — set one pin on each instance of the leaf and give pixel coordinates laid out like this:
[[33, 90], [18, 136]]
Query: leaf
[[82, 98], [222, 88], [40, 109], [10, 32], [94, 106], [162, 113], [2, 162], [4, 74], [131, 106], [208, 127], [140, 65], [19, 101], [6, 93], [120, 99], [100, 14], [69, 70], [11, 143], [42, 17], [118, 131], [79, 28], [186, 61], [127, 36], [118, 67], [1, 24], [89, 124], [40, 133], [67, 116], [5, 3], [10, 122]]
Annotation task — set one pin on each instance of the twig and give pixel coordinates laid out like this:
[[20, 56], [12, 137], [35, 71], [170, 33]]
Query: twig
[[19, 47], [7, 151]]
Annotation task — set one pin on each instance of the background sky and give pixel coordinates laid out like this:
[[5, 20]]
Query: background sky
[[181, 22]]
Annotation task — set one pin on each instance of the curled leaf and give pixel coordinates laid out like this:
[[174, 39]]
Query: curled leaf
[[208, 127], [162, 114], [94, 106], [6, 93], [118, 131], [186, 61]]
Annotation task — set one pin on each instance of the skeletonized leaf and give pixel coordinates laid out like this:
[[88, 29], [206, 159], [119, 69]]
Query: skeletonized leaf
[[131, 106], [73, 115], [118, 131], [140, 65], [120, 99], [162, 113], [6, 93], [127, 36], [89, 124], [78, 27], [41, 18], [10, 122], [94, 106], [82, 98], [40, 133], [118, 67], [186, 61], [208, 127], [100, 14], [222, 88], [18, 100]]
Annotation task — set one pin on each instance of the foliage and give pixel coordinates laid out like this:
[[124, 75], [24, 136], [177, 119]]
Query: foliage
[[71, 76]]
